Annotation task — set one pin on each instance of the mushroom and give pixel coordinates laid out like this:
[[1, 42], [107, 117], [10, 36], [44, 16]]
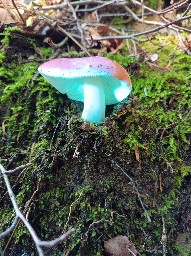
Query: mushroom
[[96, 81]]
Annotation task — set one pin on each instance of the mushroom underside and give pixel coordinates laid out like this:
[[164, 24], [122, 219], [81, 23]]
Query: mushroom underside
[[95, 92]]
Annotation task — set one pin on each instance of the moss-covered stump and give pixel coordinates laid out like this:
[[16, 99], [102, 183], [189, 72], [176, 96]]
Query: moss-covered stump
[[105, 180]]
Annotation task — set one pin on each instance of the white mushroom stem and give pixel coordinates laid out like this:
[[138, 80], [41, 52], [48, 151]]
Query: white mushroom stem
[[94, 100]]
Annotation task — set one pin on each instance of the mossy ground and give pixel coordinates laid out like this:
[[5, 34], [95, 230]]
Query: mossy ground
[[74, 179]]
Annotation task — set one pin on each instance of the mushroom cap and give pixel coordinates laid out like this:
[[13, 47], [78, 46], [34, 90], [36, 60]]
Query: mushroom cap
[[68, 76]]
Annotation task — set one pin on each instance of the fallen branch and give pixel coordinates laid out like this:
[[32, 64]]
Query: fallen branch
[[24, 212], [9, 229], [38, 243], [20, 168]]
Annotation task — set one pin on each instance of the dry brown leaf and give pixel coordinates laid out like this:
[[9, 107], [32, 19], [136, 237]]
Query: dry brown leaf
[[8, 12], [91, 32], [92, 17], [8, 16], [187, 42], [9, 3], [120, 246], [137, 153]]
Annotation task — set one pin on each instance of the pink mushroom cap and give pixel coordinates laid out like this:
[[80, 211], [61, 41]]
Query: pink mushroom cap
[[67, 76]]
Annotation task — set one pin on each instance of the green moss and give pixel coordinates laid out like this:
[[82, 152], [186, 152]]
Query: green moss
[[6, 34], [72, 162], [122, 60]]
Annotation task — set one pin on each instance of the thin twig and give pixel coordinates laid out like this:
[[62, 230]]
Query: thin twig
[[20, 215], [55, 242], [71, 210], [20, 168], [135, 17], [18, 11], [131, 251], [160, 14], [18, 222], [101, 6], [187, 10], [49, 41], [168, 9], [133, 36], [135, 187], [75, 18], [10, 229], [164, 237], [61, 6], [73, 39], [142, 11], [91, 226], [174, 6]]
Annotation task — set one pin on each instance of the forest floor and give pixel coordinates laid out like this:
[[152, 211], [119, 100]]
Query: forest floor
[[128, 176]]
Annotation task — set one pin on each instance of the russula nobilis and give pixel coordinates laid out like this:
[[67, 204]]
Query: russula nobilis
[[96, 81]]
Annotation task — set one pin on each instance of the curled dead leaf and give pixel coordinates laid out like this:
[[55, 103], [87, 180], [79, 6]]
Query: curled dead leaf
[[91, 32]]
